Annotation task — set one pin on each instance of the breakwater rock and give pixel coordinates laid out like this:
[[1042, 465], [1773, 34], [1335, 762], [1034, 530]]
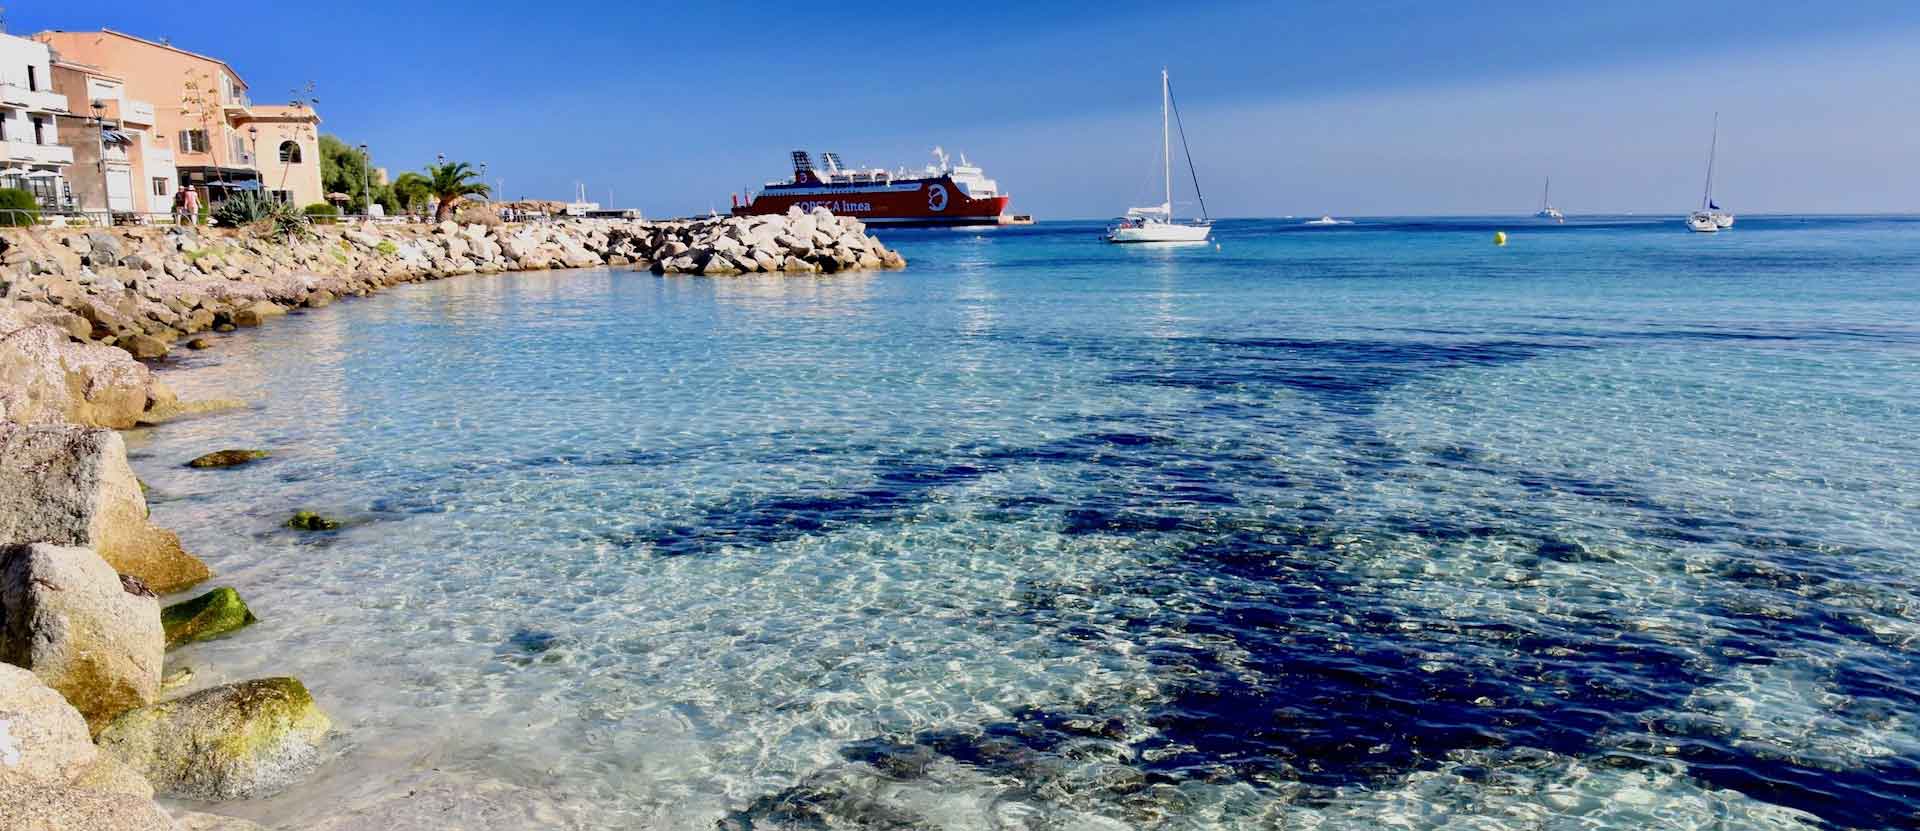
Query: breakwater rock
[[143, 289]]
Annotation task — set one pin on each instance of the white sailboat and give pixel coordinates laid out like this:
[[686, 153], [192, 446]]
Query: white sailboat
[[1547, 210], [1155, 223], [1710, 218]]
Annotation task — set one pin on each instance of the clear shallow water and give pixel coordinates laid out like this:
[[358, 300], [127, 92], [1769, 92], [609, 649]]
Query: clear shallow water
[[1356, 527]]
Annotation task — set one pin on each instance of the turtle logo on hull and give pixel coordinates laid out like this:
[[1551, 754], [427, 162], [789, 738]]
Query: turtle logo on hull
[[937, 198]]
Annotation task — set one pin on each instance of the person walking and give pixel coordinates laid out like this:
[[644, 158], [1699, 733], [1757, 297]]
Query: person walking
[[189, 206]]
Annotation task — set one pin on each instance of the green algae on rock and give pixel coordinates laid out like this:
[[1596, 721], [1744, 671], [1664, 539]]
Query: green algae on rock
[[218, 612], [245, 740], [228, 458], [310, 521]]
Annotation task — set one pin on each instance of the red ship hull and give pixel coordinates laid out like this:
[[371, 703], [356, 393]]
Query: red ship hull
[[934, 201]]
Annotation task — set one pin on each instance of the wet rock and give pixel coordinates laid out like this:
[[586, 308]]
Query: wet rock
[[175, 409], [237, 741], [310, 521], [176, 679], [196, 821], [229, 458], [142, 346], [72, 486], [211, 615], [65, 615], [257, 314], [199, 343]]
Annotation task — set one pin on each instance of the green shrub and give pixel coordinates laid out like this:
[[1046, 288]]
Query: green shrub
[[241, 210], [387, 247], [322, 213], [284, 221], [17, 208]]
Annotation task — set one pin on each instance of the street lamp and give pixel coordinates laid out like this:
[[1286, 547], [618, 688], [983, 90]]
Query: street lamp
[[253, 138], [100, 144], [366, 180]]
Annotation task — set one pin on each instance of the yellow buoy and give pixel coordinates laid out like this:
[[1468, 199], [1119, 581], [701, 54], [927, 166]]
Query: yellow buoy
[[1499, 238]]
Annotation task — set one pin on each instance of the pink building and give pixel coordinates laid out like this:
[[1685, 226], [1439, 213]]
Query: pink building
[[217, 136]]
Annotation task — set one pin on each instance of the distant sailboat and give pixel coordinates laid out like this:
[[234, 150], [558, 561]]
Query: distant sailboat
[[1155, 223], [1710, 218], [1547, 210]]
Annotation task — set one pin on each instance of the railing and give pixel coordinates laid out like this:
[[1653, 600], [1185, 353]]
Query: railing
[[17, 217], [26, 151], [18, 95]]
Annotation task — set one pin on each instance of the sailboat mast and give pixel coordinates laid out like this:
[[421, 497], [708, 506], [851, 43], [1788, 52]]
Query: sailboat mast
[[1166, 145], [1706, 197], [1546, 194]]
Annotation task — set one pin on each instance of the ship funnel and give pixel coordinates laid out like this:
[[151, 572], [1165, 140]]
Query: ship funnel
[[832, 161], [802, 163]]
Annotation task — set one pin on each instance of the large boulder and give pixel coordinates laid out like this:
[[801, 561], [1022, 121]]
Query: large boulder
[[257, 313], [46, 378], [36, 806], [237, 741], [67, 616], [72, 486]]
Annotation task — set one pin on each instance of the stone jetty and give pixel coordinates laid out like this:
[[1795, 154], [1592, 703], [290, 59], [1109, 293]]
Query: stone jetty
[[143, 289], [93, 721]]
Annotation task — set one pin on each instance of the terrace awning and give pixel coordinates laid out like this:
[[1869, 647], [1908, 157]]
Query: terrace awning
[[115, 138]]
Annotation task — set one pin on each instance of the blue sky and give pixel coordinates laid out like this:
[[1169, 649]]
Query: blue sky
[[1293, 108]]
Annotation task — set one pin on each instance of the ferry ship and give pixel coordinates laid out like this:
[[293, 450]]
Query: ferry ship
[[942, 193]]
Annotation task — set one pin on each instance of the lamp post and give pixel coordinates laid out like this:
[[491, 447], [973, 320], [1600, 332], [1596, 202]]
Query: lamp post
[[100, 146], [253, 138], [366, 180]]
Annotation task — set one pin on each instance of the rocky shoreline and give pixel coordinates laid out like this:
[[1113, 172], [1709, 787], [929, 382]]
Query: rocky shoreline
[[92, 726]]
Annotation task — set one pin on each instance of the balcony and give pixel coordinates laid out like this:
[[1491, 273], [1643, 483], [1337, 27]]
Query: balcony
[[17, 95], [30, 153]]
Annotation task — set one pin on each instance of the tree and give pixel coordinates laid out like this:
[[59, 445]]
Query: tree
[[449, 183], [411, 190], [343, 169]]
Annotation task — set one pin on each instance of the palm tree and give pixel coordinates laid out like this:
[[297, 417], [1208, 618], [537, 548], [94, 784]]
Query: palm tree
[[411, 189], [448, 183]]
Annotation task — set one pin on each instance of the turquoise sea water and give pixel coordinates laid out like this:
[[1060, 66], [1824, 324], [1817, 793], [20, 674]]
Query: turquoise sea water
[[1356, 527]]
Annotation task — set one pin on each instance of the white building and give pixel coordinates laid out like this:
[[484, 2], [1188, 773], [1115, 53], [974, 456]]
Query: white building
[[33, 160]]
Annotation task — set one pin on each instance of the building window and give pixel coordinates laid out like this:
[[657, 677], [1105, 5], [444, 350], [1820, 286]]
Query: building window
[[3, 125], [39, 130], [159, 186], [193, 141], [289, 153], [33, 79]]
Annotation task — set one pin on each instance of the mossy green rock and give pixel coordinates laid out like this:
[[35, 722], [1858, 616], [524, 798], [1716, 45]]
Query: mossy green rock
[[310, 521], [229, 458], [236, 741], [210, 615]]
